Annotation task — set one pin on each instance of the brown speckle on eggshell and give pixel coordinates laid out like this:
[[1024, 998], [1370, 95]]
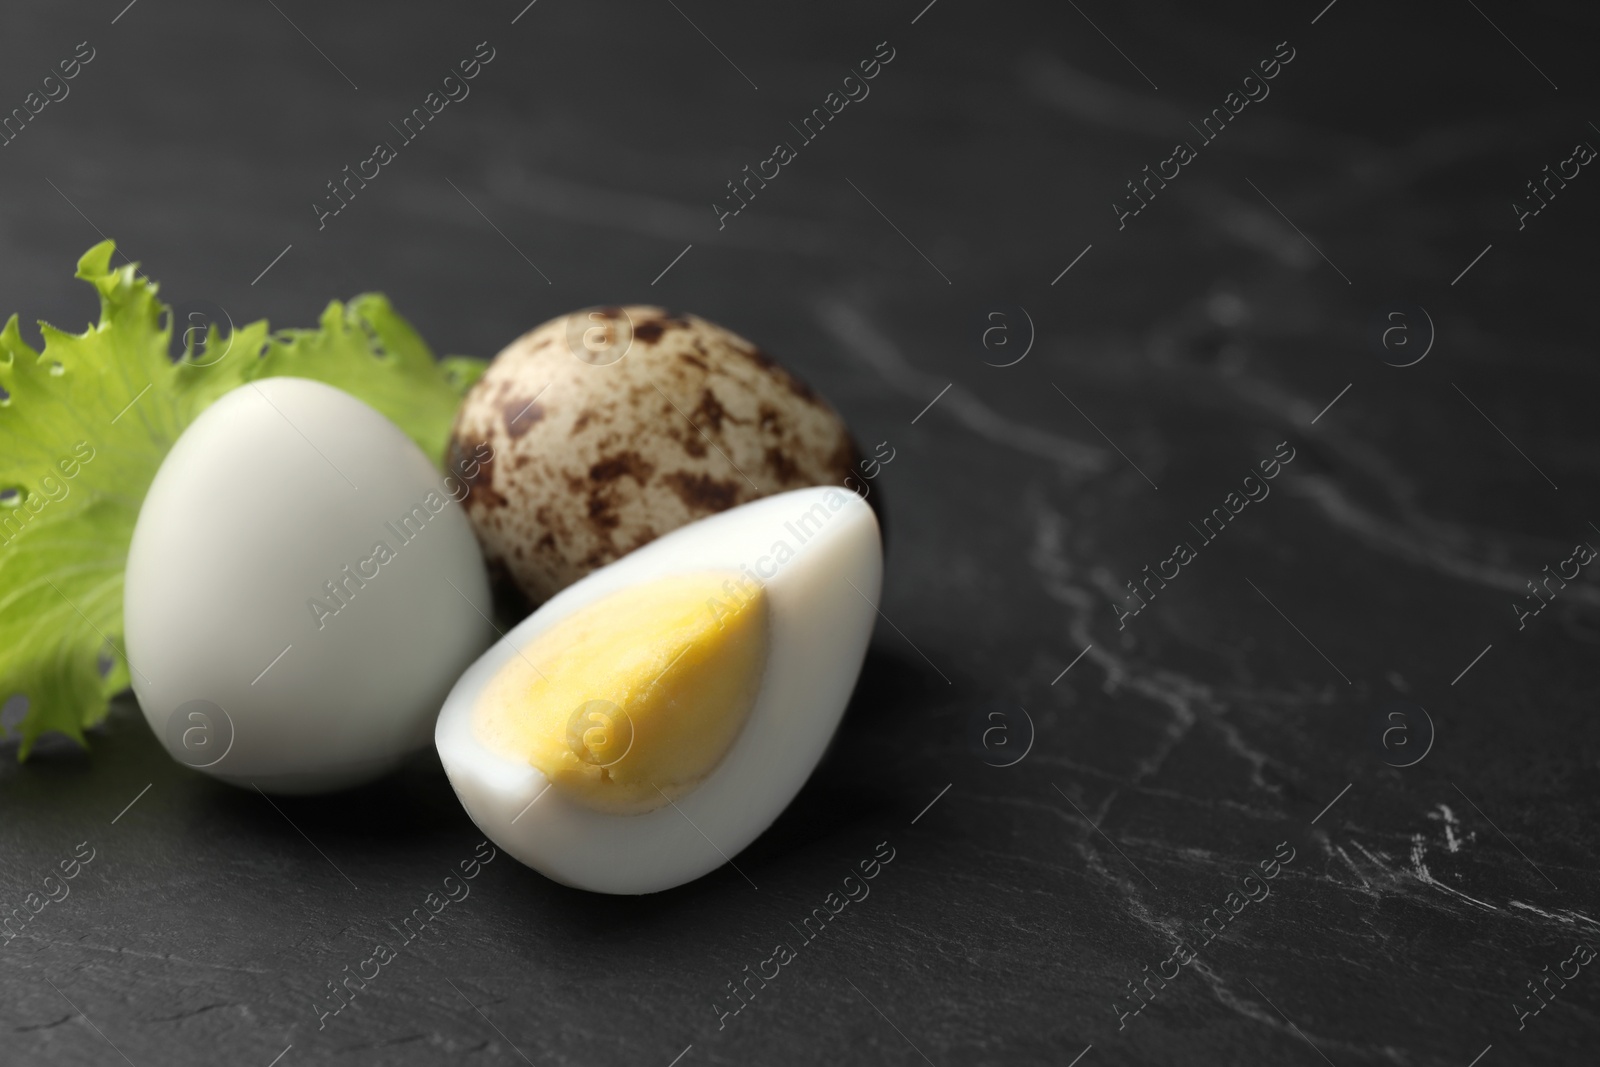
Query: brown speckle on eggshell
[[612, 426]]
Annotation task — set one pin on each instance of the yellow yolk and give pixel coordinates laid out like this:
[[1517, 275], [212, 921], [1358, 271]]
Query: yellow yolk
[[633, 700]]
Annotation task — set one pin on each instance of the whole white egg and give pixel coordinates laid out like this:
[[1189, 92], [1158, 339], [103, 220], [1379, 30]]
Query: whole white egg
[[302, 590], [651, 720]]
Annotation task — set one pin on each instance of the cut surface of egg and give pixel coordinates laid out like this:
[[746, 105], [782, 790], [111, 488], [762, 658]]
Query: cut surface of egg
[[640, 693], [651, 720], [300, 591]]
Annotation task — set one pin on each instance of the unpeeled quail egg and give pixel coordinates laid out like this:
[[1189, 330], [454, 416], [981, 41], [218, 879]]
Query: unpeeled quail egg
[[648, 722], [612, 426]]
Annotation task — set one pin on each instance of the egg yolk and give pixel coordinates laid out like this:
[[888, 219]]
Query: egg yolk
[[630, 702]]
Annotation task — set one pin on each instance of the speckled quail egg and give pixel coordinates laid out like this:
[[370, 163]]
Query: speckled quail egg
[[648, 722], [613, 426]]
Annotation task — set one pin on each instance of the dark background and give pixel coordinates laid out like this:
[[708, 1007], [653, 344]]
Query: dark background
[[1171, 758]]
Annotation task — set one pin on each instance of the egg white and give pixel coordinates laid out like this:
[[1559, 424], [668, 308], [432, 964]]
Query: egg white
[[269, 493], [821, 610]]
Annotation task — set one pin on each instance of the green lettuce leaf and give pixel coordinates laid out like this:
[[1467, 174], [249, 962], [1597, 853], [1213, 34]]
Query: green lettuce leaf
[[84, 425]]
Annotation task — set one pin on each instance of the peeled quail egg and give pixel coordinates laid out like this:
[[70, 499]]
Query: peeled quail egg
[[648, 722], [300, 590]]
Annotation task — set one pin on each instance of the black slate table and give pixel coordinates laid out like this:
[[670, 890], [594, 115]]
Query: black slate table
[[1316, 792]]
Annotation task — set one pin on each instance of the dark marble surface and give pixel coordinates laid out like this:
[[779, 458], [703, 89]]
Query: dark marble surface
[[1211, 731]]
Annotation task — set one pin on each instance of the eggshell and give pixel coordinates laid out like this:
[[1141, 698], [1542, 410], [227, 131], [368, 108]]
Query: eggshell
[[613, 426], [271, 493]]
